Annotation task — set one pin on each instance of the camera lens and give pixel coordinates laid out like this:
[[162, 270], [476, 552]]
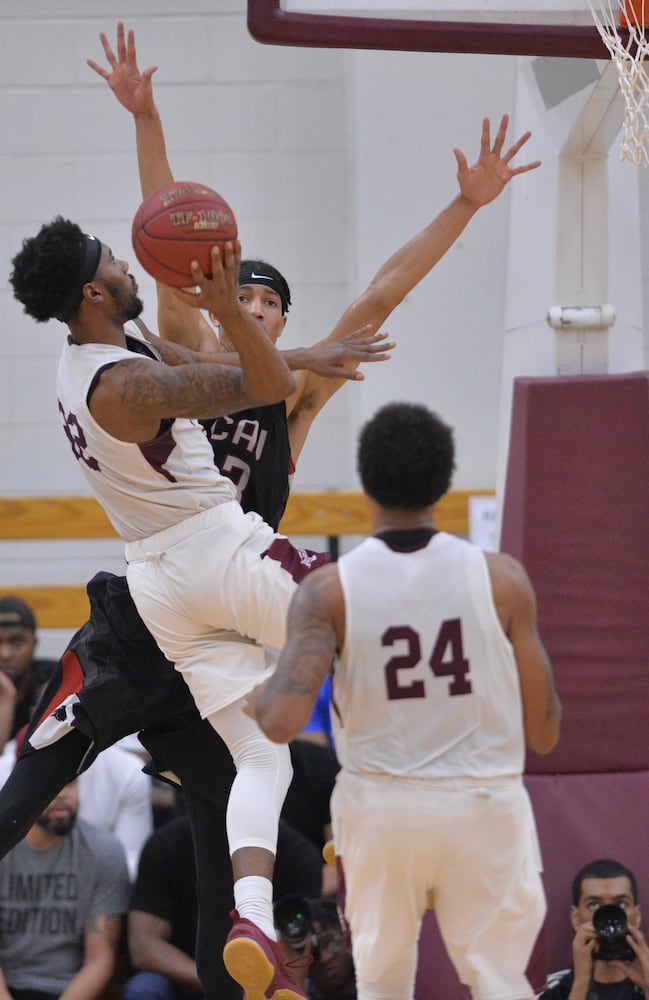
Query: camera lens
[[611, 926], [293, 920], [609, 920]]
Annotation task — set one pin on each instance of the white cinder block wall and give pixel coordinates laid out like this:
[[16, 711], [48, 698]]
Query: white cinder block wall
[[330, 159]]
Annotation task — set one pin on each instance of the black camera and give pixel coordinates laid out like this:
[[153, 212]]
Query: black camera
[[294, 922], [611, 928]]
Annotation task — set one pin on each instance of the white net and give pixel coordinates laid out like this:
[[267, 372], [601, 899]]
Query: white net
[[625, 32]]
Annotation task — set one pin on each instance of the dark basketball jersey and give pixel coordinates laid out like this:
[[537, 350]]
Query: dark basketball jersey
[[252, 448]]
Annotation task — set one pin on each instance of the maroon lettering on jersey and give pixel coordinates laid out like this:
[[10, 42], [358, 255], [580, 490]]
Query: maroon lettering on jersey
[[77, 438], [446, 660]]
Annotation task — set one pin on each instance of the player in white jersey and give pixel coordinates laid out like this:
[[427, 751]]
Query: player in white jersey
[[211, 583], [439, 682]]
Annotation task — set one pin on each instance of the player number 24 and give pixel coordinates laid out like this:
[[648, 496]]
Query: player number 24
[[446, 660]]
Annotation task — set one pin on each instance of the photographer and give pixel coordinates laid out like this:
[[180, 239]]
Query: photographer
[[314, 946], [610, 954]]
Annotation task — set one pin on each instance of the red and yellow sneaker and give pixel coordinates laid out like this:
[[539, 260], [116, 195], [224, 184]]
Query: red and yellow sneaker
[[257, 963]]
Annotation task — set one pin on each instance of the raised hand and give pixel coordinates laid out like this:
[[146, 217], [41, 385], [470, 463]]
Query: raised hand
[[638, 970], [330, 358], [132, 88], [484, 181], [217, 294]]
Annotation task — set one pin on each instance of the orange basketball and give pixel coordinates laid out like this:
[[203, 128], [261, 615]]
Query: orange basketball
[[177, 224]]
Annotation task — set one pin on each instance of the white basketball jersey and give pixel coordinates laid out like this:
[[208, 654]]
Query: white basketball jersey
[[427, 684], [142, 487]]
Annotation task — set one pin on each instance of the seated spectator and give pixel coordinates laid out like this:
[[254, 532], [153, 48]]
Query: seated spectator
[[64, 889], [114, 793], [162, 916], [20, 670], [610, 954], [312, 927]]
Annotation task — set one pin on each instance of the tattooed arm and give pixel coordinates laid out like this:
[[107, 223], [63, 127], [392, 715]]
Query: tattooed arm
[[282, 705], [133, 396]]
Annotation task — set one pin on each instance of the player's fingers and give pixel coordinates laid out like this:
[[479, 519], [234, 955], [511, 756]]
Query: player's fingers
[[525, 168], [121, 43], [500, 134], [511, 153], [197, 274], [98, 69], [108, 52], [485, 138], [461, 161], [130, 47], [223, 259]]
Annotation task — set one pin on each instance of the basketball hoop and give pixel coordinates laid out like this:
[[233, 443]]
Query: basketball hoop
[[622, 24]]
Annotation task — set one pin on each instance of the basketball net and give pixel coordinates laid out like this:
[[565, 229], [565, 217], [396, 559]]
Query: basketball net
[[628, 53]]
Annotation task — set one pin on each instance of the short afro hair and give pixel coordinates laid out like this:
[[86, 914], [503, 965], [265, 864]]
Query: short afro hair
[[406, 457], [46, 269]]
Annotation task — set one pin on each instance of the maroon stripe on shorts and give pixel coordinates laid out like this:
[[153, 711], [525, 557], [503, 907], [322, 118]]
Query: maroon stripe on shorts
[[297, 562]]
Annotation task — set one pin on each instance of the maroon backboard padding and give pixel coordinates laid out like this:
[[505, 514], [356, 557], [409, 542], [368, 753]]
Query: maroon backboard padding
[[267, 22], [582, 817], [576, 513]]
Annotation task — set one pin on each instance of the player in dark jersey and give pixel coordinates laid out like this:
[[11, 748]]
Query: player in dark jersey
[[265, 292]]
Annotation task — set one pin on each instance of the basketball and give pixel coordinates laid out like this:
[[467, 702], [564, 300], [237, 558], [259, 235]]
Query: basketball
[[177, 224]]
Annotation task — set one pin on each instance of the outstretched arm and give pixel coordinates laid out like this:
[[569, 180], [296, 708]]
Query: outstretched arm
[[134, 91], [479, 184]]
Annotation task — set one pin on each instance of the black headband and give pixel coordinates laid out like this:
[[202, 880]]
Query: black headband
[[266, 275], [71, 298]]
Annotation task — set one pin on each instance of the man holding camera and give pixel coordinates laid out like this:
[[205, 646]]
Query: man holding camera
[[610, 954]]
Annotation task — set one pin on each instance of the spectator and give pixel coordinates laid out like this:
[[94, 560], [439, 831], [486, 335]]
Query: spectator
[[114, 793], [20, 670], [162, 918], [604, 883], [63, 891], [330, 975]]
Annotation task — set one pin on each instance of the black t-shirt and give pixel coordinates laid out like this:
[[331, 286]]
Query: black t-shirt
[[625, 990], [166, 882], [166, 879]]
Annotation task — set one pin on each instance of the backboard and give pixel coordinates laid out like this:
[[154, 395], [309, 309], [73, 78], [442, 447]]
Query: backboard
[[503, 27]]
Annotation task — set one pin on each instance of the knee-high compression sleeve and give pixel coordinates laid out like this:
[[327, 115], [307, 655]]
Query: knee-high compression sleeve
[[264, 772], [36, 779]]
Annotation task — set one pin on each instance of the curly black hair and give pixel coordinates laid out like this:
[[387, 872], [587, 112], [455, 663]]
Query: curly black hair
[[406, 456], [45, 269]]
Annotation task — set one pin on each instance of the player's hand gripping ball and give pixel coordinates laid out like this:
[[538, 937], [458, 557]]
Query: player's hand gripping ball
[[178, 224]]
